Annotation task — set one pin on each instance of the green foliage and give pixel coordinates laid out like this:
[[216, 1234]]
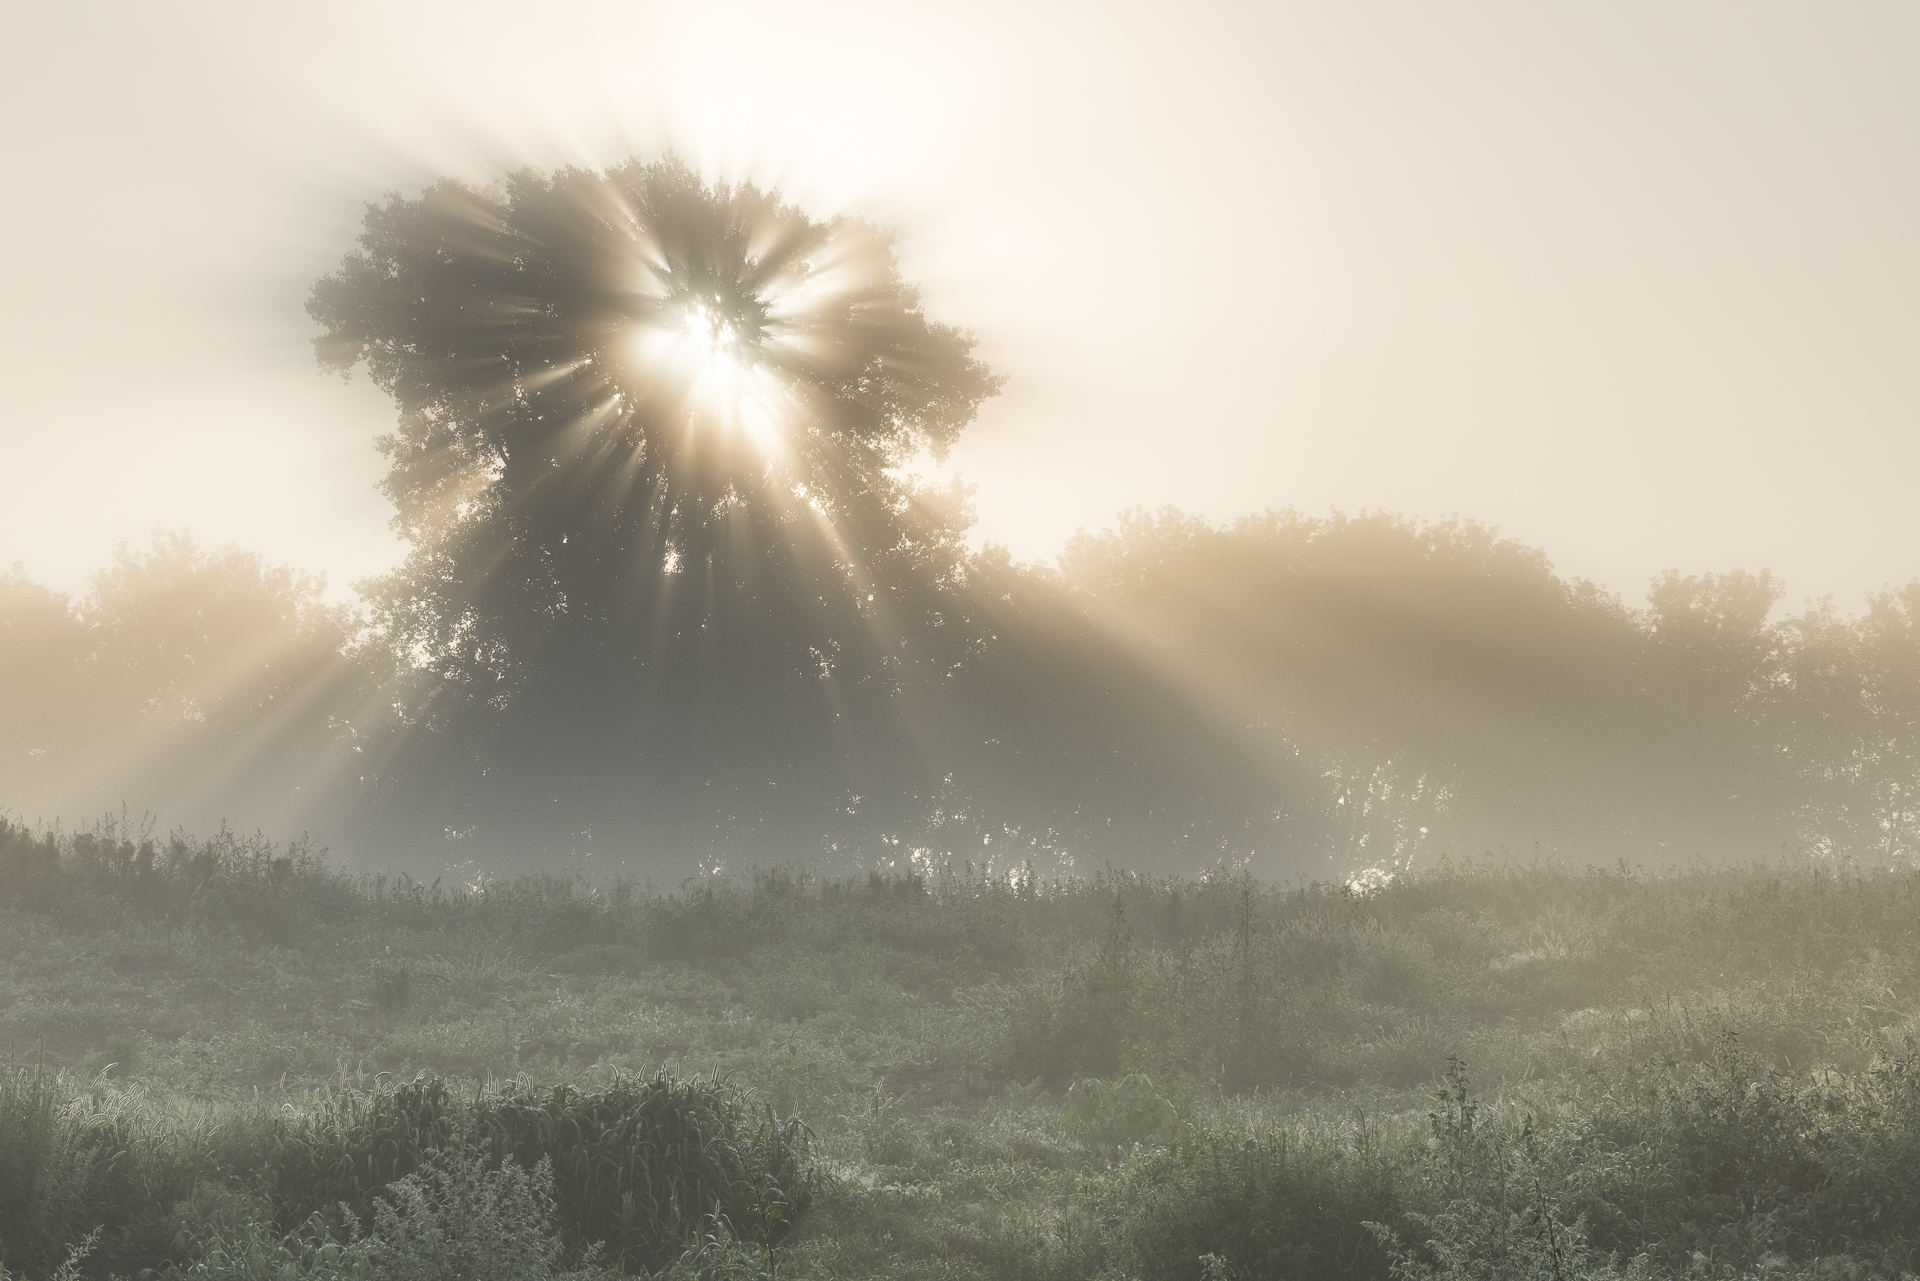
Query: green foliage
[[460, 1217], [636, 1171], [116, 872], [1122, 1115], [356, 1143], [1078, 1021], [1284, 1202], [46, 1170], [69, 1269], [644, 1164], [1612, 1127], [29, 865], [457, 1218]]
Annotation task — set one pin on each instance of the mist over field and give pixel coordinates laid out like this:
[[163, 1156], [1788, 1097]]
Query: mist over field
[[1304, 697], [960, 643]]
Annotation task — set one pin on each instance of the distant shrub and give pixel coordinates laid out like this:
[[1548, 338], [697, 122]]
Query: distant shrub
[[29, 866], [245, 884], [1079, 1020]]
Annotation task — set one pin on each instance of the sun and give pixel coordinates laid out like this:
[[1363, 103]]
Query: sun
[[709, 343], [717, 329], [709, 335]]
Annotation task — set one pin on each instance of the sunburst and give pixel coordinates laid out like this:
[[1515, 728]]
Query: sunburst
[[638, 362]]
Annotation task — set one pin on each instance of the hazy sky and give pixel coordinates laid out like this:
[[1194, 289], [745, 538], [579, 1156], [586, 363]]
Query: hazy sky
[[1637, 282]]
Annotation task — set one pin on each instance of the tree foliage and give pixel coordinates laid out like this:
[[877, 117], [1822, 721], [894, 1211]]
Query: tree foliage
[[1367, 689], [187, 677], [648, 462]]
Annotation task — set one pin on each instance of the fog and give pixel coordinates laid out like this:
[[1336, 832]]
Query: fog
[[1566, 300]]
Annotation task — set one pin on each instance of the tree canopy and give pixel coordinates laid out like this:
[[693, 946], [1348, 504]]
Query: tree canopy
[[648, 461], [196, 678], [1343, 690]]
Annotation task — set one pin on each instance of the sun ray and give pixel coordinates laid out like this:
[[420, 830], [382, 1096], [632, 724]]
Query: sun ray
[[668, 411]]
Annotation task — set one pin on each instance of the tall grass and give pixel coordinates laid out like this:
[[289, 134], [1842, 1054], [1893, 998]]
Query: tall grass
[[46, 1171], [1701, 1073]]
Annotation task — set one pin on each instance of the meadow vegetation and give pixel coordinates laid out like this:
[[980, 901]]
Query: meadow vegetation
[[228, 1060]]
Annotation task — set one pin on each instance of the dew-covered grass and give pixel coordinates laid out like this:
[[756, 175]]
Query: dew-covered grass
[[1494, 1068]]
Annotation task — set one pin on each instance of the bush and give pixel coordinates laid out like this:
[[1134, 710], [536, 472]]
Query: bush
[[1288, 1203], [355, 1144], [638, 1170], [29, 866], [457, 1218], [1115, 1116], [645, 1165]]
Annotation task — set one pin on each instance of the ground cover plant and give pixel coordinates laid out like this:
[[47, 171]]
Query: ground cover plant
[[228, 1060]]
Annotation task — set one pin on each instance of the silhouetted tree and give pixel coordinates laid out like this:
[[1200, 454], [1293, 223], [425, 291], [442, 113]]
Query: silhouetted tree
[[1890, 754], [1844, 717], [201, 684], [43, 644], [1712, 673], [1286, 688], [1361, 689], [665, 577]]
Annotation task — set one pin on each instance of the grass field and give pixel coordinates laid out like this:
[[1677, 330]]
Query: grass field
[[228, 1061]]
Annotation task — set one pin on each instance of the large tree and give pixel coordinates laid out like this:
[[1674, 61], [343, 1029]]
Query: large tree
[[664, 563]]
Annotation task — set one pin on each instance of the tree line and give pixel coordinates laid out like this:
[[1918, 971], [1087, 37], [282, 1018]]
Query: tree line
[[1308, 692], [673, 593]]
